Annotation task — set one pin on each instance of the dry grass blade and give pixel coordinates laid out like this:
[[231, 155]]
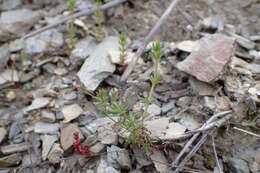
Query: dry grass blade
[[247, 132]]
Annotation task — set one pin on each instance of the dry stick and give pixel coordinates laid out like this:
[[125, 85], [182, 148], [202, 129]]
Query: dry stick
[[197, 146], [84, 12], [215, 154], [187, 145], [209, 126], [139, 52], [193, 151], [247, 132]]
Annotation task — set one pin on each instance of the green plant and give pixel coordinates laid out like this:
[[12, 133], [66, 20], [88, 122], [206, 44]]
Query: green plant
[[155, 77], [122, 47], [99, 18], [112, 104], [71, 28]]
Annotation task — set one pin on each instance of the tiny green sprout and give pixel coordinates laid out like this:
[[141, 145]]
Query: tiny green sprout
[[156, 56], [122, 48], [156, 51], [71, 28], [155, 77], [99, 18], [72, 5]]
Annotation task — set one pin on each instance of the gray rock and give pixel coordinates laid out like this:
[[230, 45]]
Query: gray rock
[[15, 23], [10, 4], [46, 128], [15, 148], [97, 148], [244, 42], [118, 158], [83, 48], [236, 165], [47, 143], [256, 68], [255, 55], [89, 74], [184, 101], [15, 129], [4, 55], [202, 88], [161, 128], [48, 41], [71, 112], [29, 76], [30, 160], [55, 154], [141, 158], [38, 103], [103, 167], [168, 106], [10, 160], [100, 122], [107, 136], [9, 76], [161, 166], [154, 110], [3, 133], [48, 117], [70, 96], [49, 68], [189, 122], [67, 136]]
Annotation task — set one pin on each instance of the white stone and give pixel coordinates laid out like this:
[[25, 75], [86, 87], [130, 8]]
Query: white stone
[[162, 165], [188, 46], [9, 76], [47, 143], [98, 66], [71, 112], [163, 129], [154, 110], [38, 103]]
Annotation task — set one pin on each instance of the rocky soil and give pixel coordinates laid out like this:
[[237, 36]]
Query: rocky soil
[[210, 64]]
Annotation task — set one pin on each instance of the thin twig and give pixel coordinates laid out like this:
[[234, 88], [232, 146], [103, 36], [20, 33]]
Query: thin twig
[[215, 154], [247, 132], [193, 151], [188, 144], [84, 12], [139, 52], [209, 126]]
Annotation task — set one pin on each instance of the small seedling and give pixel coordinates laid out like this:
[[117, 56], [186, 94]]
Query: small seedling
[[155, 77], [99, 18], [71, 28], [111, 105], [122, 48]]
